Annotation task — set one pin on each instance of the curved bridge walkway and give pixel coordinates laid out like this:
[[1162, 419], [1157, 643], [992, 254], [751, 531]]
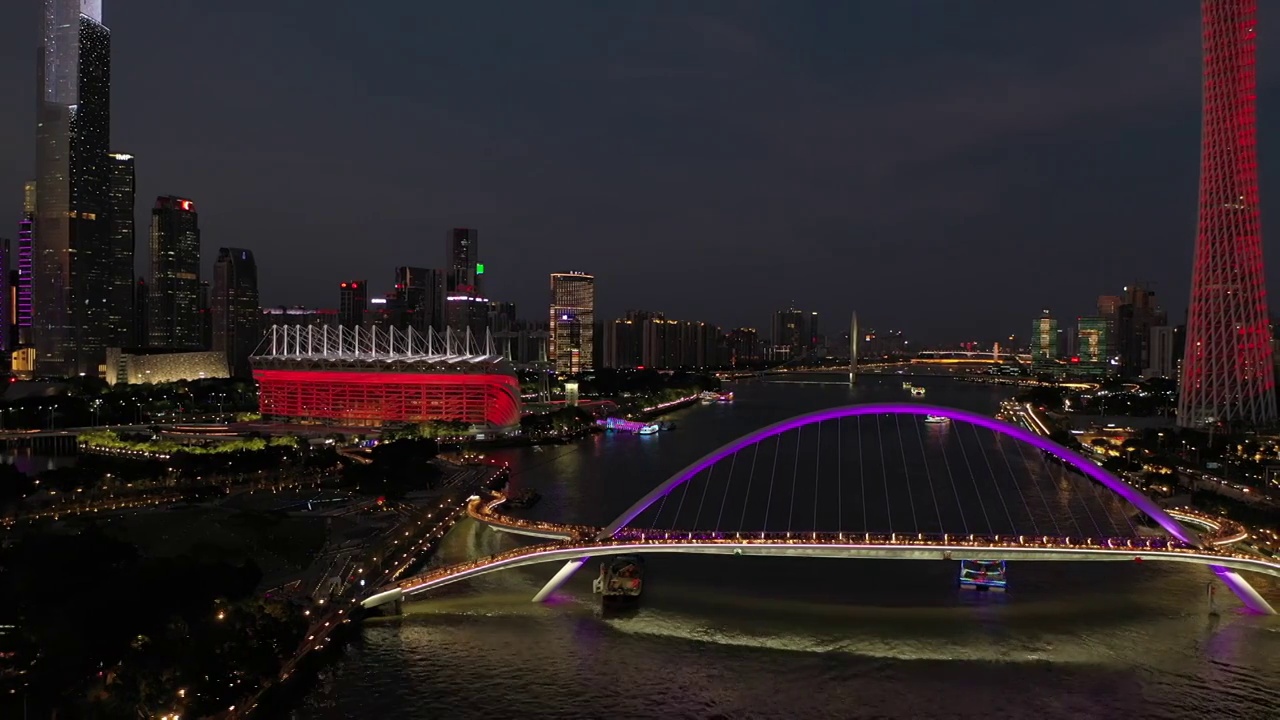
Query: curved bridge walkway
[[1069, 513]]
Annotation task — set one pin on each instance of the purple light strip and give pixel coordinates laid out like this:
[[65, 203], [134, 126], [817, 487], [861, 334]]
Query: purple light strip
[[1088, 467]]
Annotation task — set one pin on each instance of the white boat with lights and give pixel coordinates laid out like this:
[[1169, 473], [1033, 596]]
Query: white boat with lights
[[917, 391], [648, 430], [937, 419], [707, 397], [907, 386]]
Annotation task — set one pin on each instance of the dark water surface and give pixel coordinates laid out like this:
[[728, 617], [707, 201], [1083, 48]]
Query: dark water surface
[[746, 637]]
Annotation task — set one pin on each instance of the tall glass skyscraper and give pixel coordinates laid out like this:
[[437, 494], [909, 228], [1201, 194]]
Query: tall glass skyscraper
[[237, 315], [572, 321], [122, 238], [71, 288], [174, 304]]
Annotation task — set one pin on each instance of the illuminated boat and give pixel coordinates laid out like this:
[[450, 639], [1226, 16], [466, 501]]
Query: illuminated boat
[[986, 575], [725, 397], [648, 430], [708, 397], [907, 386], [917, 391], [936, 419]]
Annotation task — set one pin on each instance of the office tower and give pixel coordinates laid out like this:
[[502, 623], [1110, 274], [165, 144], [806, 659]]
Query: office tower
[[1227, 373], [419, 299], [1044, 338], [466, 307], [1131, 328], [353, 301], [122, 238], [204, 305], [1093, 341], [141, 317], [236, 313], [23, 265], [174, 304], [502, 316], [73, 131], [572, 321]]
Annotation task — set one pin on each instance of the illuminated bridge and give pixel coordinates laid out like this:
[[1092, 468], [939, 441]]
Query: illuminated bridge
[[885, 481]]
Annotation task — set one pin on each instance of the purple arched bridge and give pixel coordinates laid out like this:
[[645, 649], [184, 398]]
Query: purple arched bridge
[[1131, 495]]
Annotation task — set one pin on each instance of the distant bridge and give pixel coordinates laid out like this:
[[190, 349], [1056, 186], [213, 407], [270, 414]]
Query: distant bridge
[[949, 500]]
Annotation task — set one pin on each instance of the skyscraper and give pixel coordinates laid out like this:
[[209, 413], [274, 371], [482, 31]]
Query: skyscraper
[[70, 292], [23, 265], [353, 301], [1227, 375], [466, 306], [122, 238], [572, 321], [795, 332], [1044, 339], [419, 299], [236, 313], [174, 305]]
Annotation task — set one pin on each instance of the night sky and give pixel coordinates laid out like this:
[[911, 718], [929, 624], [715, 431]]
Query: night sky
[[946, 167]]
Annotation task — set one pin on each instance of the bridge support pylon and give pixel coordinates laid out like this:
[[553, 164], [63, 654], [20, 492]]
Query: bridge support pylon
[[559, 578]]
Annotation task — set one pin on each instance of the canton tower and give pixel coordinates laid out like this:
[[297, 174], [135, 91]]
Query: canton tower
[[1227, 375]]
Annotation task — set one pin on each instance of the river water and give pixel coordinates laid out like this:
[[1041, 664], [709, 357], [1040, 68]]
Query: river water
[[743, 637]]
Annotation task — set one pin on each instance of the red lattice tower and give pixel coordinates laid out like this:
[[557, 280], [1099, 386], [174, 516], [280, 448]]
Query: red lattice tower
[[1227, 375]]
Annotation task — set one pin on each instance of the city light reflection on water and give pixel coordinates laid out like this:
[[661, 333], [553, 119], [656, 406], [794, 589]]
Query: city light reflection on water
[[781, 637]]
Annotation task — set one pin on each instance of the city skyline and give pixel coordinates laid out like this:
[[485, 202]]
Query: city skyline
[[1037, 210]]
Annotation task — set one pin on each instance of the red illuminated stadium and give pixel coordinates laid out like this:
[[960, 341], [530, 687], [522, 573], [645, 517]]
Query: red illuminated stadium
[[370, 378]]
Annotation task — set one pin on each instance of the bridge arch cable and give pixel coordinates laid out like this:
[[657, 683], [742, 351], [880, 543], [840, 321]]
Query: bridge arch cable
[[928, 474], [884, 471], [906, 478], [839, 475], [991, 473], [964, 454], [1065, 479], [795, 478], [817, 475], [727, 486], [862, 474], [1053, 518], [705, 488], [991, 470], [768, 506], [742, 523], [955, 491], [676, 520], [1049, 476]]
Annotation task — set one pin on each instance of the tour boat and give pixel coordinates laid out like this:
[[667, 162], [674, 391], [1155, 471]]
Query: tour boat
[[917, 391], [937, 419]]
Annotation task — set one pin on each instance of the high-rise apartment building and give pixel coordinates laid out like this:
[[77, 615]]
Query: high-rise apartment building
[[72, 255], [236, 313], [353, 302], [174, 304], [795, 332], [122, 238], [572, 321], [1164, 339]]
